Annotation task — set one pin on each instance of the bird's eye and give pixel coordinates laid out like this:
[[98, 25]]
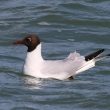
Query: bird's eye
[[29, 39]]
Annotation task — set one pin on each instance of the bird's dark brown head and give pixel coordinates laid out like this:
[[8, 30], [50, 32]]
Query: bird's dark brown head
[[31, 41]]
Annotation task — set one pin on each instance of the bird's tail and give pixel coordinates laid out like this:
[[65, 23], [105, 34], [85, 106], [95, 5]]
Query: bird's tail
[[96, 55], [91, 59], [101, 57]]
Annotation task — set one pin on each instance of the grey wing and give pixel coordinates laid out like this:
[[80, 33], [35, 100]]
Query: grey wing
[[62, 69]]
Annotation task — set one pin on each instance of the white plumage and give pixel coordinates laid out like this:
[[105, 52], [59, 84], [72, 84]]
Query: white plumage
[[36, 66], [74, 64]]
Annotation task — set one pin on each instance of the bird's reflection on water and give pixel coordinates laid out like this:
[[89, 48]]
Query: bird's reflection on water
[[33, 83]]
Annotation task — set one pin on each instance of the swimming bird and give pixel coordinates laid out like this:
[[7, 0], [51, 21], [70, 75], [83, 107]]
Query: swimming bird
[[67, 68]]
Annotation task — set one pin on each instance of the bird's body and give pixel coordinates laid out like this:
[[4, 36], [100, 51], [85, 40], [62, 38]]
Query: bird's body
[[36, 66], [72, 65]]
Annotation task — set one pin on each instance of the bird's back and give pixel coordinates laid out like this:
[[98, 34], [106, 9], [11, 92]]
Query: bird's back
[[62, 69]]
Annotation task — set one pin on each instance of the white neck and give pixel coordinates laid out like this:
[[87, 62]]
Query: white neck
[[33, 62], [35, 55]]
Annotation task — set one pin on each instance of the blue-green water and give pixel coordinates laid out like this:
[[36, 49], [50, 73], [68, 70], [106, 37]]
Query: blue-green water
[[64, 26]]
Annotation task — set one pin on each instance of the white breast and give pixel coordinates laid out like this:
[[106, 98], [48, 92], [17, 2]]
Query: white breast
[[33, 62]]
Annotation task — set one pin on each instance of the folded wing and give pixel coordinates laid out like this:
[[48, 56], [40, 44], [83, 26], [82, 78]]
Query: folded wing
[[63, 69]]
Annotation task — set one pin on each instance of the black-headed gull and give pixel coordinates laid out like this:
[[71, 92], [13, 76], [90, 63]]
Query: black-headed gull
[[67, 68]]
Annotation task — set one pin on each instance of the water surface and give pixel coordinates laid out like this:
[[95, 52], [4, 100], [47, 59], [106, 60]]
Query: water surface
[[63, 26]]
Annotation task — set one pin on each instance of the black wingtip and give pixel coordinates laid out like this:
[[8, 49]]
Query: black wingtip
[[93, 55], [108, 55]]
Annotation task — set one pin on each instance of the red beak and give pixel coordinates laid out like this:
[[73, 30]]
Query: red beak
[[18, 42]]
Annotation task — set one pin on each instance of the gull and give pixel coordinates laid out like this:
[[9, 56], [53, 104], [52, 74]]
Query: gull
[[35, 65]]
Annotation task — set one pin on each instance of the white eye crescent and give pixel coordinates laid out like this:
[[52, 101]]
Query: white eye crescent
[[30, 39]]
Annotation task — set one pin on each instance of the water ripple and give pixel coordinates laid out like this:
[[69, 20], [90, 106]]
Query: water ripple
[[64, 26]]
